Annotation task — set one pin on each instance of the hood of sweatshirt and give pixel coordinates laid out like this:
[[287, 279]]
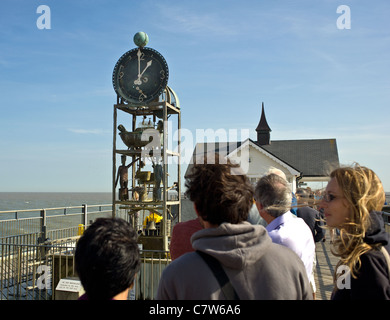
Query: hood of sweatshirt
[[376, 233], [234, 245]]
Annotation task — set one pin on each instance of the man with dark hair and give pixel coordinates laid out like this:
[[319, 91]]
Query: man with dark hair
[[313, 220], [310, 215], [107, 259], [233, 259]]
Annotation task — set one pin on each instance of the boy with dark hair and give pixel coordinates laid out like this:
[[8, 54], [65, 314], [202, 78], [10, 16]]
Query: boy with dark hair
[[107, 259]]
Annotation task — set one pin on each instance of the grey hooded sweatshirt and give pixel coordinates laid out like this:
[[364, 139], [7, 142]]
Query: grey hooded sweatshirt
[[256, 267]]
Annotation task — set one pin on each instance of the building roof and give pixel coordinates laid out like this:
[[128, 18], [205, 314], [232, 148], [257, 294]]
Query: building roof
[[314, 158]]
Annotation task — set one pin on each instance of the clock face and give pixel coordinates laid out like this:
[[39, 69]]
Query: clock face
[[140, 75]]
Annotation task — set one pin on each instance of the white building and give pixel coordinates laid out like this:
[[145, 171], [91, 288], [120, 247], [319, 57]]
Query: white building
[[301, 160]]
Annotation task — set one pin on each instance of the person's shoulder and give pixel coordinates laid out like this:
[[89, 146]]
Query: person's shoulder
[[287, 230], [306, 210], [276, 235], [285, 237], [373, 277], [185, 261], [300, 224], [374, 261], [187, 225], [286, 258], [281, 251]]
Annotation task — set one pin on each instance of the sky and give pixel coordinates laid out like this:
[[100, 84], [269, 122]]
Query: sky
[[319, 78]]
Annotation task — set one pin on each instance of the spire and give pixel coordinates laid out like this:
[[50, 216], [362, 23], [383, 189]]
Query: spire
[[263, 130]]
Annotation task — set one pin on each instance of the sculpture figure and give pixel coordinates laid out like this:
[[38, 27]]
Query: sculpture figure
[[123, 177]]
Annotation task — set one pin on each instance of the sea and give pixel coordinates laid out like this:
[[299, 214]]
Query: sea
[[43, 200], [14, 201]]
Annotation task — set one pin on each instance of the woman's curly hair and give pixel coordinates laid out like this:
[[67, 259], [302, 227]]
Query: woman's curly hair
[[364, 193]]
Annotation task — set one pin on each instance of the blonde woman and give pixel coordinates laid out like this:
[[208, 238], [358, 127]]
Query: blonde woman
[[352, 203]]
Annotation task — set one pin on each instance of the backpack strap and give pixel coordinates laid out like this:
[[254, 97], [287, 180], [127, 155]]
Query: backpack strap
[[219, 273], [387, 257]]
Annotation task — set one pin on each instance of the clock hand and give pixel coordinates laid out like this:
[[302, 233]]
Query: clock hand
[[139, 61], [138, 80], [147, 66]]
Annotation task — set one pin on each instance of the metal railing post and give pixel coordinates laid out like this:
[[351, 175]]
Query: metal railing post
[[43, 224], [18, 272], [85, 215]]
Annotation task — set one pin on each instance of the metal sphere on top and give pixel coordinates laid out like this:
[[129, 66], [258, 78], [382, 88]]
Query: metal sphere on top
[[141, 39]]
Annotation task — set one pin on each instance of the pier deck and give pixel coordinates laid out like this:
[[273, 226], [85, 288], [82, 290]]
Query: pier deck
[[324, 269]]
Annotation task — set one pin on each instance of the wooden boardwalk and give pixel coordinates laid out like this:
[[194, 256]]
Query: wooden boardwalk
[[324, 269]]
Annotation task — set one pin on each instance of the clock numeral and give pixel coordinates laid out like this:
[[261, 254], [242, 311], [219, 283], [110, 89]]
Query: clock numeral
[[162, 72], [141, 97], [121, 74]]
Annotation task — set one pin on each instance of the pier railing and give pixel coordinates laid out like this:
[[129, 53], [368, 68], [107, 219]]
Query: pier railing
[[32, 272], [33, 262], [37, 250], [34, 226]]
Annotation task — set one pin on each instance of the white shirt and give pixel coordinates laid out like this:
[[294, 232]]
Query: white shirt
[[295, 234]]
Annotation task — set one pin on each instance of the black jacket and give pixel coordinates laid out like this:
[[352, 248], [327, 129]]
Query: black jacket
[[373, 278], [313, 220]]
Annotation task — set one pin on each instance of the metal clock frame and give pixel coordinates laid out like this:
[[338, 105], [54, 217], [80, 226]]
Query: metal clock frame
[[166, 108]]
